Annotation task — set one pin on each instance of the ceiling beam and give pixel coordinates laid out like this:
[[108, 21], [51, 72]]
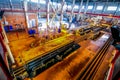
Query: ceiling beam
[[86, 7]]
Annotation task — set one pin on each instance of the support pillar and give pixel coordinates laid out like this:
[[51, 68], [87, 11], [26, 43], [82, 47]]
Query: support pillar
[[80, 9], [117, 10], [61, 17], [11, 6], [26, 14], [94, 8], [37, 14], [86, 7], [70, 22], [6, 44], [105, 7], [47, 13]]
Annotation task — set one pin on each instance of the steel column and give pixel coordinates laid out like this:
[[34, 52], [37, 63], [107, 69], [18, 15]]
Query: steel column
[[11, 6], [26, 14], [61, 17], [118, 6], [105, 5], [54, 11], [38, 7], [94, 7], [86, 7], [72, 11], [48, 12], [6, 44], [80, 9]]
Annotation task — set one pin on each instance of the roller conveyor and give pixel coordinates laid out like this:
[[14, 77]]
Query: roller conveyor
[[91, 69], [42, 62], [75, 63]]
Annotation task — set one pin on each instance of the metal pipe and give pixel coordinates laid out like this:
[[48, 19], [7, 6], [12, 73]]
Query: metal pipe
[[61, 17], [86, 7], [48, 11], [11, 6], [55, 11], [25, 12], [7, 46], [94, 8], [80, 9], [72, 13], [117, 9], [104, 8], [38, 7]]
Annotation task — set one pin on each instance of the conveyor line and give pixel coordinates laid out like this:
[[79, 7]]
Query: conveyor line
[[41, 63], [89, 72]]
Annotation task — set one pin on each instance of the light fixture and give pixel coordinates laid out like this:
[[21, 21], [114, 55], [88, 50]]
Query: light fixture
[[90, 7], [112, 8], [99, 7]]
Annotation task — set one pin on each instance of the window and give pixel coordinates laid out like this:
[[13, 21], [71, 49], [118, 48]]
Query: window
[[69, 7], [64, 7], [99, 7], [54, 3], [34, 0], [111, 8], [76, 7], [119, 9], [59, 5], [90, 7], [42, 1]]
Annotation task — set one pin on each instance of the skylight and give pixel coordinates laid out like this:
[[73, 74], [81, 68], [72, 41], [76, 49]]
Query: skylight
[[34, 1], [111, 8], [69, 7], [99, 7], [76, 6], [41, 1], [64, 7], [90, 7]]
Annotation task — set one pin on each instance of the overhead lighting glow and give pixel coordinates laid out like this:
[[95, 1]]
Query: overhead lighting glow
[[90, 7], [59, 5], [76, 7], [54, 3], [99, 7], [34, 1], [64, 7], [111, 8], [83, 7], [69, 7], [42, 1]]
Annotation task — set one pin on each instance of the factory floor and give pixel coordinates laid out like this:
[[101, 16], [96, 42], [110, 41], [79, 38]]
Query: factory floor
[[72, 65], [25, 48]]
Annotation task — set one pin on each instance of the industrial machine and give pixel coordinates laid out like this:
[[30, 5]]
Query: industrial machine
[[37, 65]]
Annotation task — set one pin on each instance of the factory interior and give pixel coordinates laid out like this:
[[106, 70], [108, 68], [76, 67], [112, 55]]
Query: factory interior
[[59, 39]]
